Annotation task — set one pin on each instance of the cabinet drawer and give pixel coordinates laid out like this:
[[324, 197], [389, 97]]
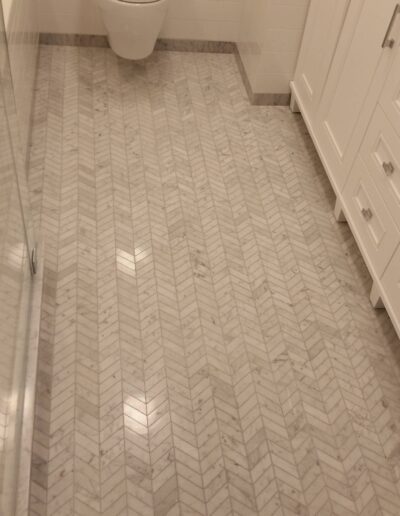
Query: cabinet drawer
[[381, 152], [374, 228], [391, 289]]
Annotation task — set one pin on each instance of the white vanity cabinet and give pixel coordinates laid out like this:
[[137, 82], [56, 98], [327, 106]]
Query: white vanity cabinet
[[357, 74], [347, 87]]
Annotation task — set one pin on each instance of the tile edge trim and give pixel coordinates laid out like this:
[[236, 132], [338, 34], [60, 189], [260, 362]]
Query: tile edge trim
[[99, 40]]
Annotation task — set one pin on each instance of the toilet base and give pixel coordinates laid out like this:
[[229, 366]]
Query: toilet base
[[135, 50], [133, 28]]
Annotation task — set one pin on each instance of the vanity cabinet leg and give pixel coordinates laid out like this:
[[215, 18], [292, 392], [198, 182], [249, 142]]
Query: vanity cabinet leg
[[375, 297], [339, 213], [294, 107]]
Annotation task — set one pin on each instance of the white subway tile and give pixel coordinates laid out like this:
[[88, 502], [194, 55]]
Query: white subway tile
[[186, 19], [286, 16], [271, 83], [269, 42]]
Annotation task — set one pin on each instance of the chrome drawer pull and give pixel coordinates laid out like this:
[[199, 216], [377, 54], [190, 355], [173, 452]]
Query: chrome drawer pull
[[389, 42], [388, 167], [367, 214]]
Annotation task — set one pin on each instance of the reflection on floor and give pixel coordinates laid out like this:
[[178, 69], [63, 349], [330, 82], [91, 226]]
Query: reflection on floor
[[207, 344]]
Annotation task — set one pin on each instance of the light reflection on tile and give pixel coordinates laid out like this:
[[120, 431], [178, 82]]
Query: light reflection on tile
[[16, 255], [125, 262]]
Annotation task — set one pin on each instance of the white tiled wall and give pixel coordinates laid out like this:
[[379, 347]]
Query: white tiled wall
[[69, 17], [269, 42], [216, 20], [187, 19], [22, 35]]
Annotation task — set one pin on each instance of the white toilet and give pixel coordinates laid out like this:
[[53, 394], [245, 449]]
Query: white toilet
[[133, 25]]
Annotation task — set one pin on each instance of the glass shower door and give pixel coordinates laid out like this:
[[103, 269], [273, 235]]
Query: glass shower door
[[16, 245]]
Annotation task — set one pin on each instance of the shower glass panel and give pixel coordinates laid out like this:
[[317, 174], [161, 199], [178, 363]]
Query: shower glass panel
[[16, 241]]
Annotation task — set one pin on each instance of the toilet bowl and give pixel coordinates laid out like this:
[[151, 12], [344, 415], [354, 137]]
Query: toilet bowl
[[133, 25]]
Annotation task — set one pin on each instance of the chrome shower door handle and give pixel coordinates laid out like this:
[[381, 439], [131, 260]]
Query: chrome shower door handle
[[389, 42]]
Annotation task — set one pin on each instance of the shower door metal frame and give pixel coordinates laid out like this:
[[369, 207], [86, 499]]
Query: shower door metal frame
[[14, 426]]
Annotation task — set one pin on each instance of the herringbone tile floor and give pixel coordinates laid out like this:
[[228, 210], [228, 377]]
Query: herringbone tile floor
[[207, 343]]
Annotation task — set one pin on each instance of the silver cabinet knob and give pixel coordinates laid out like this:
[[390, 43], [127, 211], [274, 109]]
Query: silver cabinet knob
[[367, 214], [388, 167]]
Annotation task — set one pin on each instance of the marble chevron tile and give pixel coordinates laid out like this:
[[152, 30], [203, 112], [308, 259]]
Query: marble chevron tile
[[207, 342]]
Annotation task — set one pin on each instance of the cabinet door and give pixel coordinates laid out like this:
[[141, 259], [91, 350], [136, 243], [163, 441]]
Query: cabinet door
[[323, 28], [355, 81], [390, 98]]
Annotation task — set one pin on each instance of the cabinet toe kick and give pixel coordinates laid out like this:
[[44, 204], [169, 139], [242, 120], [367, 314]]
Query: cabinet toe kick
[[375, 297]]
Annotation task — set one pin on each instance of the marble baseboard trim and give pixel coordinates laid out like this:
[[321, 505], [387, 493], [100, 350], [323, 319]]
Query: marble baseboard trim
[[28, 415], [243, 74], [260, 99], [271, 99], [192, 45], [178, 45], [74, 40]]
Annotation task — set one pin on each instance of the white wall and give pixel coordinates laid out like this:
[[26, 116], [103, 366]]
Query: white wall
[[69, 17], [22, 38], [269, 41], [216, 20], [187, 19]]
